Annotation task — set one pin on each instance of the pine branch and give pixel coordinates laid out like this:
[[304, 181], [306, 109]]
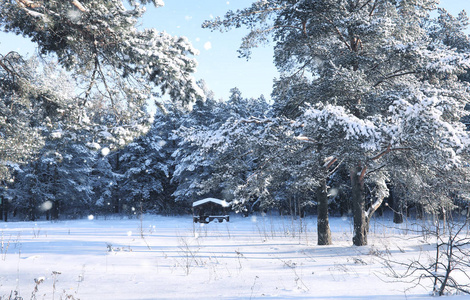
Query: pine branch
[[28, 3], [388, 150], [79, 6], [256, 120], [394, 75], [3, 64], [338, 32]]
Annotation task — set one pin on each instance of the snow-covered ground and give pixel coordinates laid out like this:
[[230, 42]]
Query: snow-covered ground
[[171, 258]]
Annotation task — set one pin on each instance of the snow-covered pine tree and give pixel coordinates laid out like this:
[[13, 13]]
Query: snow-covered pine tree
[[58, 182], [100, 43], [32, 96], [42, 116], [191, 166], [116, 69], [249, 157], [371, 73], [103, 184], [146, 168]]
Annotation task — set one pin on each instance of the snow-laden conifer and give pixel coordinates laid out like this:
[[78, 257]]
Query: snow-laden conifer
[[386, 83]]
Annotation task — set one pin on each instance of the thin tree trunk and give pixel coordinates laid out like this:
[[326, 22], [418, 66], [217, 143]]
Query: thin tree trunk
[[358, 206], [2, 207], [32, 208], [55, 210], [323, 224], [419, 211], [6, 208], [398, 216], [397, 209]]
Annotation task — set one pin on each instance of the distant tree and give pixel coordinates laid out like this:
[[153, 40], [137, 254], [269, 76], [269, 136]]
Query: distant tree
[[146, 167], [191, 166], [58, 182], [200, 158], [103, 184]]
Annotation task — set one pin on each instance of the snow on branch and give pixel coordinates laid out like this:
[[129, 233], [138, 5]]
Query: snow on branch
[[388, 150], [380, 192], [255, 120], [6, 65], [28, 3], [329, 161], [304, 138], [79, 6], [33, 13], [335, 118]]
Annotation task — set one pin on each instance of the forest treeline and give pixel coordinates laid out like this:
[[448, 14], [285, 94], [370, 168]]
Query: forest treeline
[[369, 108]]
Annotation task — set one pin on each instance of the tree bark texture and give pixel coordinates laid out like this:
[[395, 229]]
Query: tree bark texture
[[55, 210], [323, 223], [358, 206], [397, 210], [6, 207]]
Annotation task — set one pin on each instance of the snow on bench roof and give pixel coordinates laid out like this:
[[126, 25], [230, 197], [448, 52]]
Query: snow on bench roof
[[214, 200]]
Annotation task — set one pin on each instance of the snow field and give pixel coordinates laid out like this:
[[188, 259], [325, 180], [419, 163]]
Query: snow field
[[262, 257]]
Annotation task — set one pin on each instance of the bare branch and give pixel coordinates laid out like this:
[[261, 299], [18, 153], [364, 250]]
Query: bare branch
[[332, 161], [388, 150], [338, 32], [394, 75], [79, 6]]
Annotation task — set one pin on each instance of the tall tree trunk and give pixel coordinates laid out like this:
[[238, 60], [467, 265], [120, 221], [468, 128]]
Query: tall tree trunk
[[323, 224], [419, 211], [397, 208], [2, 207], [55, 210], [398, 215], [116, 201], [358, 205], [6, 207], [32, 208]]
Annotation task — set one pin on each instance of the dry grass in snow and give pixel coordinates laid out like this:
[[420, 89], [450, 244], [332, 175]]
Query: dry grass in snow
[[261, 257]]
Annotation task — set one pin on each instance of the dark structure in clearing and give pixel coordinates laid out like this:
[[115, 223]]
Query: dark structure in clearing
[[210, 209]]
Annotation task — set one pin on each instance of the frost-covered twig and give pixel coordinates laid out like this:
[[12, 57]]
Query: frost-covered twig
[[447, 270]]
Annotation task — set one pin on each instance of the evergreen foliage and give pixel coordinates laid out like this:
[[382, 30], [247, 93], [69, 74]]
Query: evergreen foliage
[[370, 80], [370, 99]]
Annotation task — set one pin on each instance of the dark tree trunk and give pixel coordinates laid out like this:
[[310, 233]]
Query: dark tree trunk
[[2, 207], [32, 208], [6, 207], [358, 206], [116, 202], [55, 210], [419, 211], [397, 216], [116, 205], [397, 210], [323, 224]]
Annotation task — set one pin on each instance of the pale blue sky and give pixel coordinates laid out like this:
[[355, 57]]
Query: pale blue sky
[[220, 66], [218, 62]]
